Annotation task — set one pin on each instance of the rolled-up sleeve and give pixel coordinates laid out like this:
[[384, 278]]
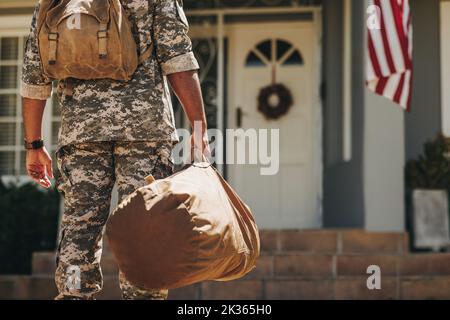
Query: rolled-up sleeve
[[173, 45], [34, 84]]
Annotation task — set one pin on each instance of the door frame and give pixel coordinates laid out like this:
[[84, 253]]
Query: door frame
[[317, 162], [219, 32]]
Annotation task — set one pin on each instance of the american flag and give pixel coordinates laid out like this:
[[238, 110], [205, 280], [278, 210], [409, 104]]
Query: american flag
[[389, 61]]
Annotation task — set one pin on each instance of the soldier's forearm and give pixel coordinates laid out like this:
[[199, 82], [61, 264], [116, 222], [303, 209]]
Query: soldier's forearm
[[32, 111], [186, 86]]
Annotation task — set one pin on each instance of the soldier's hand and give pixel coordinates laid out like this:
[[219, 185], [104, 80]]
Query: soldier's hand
[[200, 148], [39, 166]]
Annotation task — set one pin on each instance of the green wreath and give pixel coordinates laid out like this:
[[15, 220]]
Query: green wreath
[[278, 92]]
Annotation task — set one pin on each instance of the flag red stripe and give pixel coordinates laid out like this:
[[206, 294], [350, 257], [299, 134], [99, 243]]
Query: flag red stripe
[[374, 58], [384, 36], [399, 91], [408, 103], [387, 49], [402, 37], [381, 85]]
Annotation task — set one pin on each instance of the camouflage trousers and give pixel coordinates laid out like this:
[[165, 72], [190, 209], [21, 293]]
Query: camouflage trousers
[[87, 174]]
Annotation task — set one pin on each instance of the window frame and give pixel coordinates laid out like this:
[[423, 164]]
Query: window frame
[[19, 26]]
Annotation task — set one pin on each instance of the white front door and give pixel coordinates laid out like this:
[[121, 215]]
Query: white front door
[[292, 197]]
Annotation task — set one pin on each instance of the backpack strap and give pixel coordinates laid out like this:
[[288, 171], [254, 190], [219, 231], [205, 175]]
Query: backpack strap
[[44, 6], [102, 36], [53, 45]]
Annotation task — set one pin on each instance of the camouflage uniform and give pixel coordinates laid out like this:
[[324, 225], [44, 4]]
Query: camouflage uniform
[[112, 132]]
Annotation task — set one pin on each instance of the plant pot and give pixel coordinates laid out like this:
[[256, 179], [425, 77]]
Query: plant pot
[[430, 219]]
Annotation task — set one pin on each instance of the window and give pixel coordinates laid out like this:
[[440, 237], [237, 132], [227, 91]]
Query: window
[[274, 51], [12, 154]]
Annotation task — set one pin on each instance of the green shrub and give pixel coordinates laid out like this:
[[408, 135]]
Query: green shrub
[[28, 223], [432, 169]]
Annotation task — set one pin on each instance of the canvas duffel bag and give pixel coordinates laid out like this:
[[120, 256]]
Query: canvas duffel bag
[[186, 228]]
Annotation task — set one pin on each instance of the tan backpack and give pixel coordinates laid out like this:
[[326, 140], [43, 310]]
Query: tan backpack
[[86, 39]]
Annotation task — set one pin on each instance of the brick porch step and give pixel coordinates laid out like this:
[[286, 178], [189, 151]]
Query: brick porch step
[[330, 241], [44, 263], [305, 265], [43, 287], [286, 241], [292, 275], [295, 264], [334, 241]]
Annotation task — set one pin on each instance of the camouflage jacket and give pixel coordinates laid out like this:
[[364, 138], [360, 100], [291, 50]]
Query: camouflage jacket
[[110, 110]]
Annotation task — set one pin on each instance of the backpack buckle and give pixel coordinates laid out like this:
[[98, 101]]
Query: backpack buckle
[[102, 34], [53, 36]]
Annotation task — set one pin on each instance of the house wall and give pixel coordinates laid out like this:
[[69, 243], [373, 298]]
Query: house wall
[[367, 191], [424, 120], [384, 158], [388, 128]]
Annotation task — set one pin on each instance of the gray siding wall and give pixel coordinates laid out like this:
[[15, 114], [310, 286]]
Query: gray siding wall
[[424, 119], [384, 159], [343, 181]]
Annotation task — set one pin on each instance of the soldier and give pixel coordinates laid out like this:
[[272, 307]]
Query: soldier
[[111, 132]]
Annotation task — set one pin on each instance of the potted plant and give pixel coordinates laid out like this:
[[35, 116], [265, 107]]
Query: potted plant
[[428, 183]]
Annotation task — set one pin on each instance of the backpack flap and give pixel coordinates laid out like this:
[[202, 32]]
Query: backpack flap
[[87, 39]]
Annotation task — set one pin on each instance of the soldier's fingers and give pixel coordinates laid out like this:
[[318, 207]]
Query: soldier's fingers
[[49, 169], [40, 177], [42, 182], [46, 182], [35, 174]]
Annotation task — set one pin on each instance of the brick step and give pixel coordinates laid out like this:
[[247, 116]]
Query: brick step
[[44, 263], [350, 241], [310, 265], [332, 266], [43, 287], [334, 241], [287, 241]]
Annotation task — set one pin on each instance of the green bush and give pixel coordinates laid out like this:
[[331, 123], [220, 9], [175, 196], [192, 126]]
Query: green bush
[[28, 223], [431, 170]]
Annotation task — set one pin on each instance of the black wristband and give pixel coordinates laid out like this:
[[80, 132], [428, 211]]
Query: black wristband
[[34, 145]]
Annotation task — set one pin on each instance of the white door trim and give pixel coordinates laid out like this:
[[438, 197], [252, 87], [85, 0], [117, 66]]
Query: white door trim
[[317, 118], [445, 67], [220, 34]]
